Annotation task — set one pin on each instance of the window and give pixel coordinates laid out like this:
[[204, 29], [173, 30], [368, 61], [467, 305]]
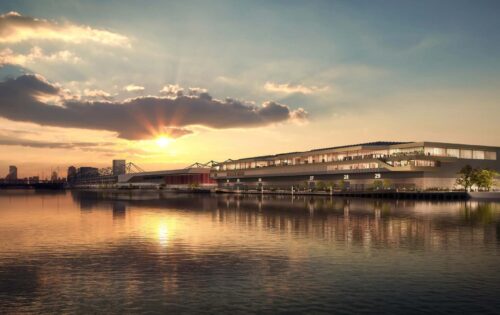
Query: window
[[478, 155], [424, 163], [465, 154], [453, 152], [490, 155], [435, 151]]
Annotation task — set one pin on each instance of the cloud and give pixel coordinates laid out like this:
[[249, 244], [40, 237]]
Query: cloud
[[288, 88], [14, 141], [97, 94], [22, 99], [133, 88], [7, 56], [16, 28], [172, 90]]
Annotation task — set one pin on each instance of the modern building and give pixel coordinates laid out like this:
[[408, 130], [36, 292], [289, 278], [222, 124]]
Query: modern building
[[119, 167], [399, 165]]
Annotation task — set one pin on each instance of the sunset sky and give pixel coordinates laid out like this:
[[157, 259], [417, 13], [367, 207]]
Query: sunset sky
[[166, 84]]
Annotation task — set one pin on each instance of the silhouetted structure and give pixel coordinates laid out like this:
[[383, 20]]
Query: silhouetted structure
[[119, 167], [71, 176], [12, 176]]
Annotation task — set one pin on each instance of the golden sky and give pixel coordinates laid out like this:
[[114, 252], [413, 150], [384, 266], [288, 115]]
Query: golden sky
[[175, 84]]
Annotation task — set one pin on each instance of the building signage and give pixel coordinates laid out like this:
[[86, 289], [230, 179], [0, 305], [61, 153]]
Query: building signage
[[346, 176], [378, 175]]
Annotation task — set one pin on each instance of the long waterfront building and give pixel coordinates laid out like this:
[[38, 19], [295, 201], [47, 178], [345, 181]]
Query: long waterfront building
[[400, 165]]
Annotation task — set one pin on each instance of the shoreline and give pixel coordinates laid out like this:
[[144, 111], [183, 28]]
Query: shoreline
[[389, 194]]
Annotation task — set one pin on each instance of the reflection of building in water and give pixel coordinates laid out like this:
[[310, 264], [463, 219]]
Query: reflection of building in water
[[119, 209], [411, 224]]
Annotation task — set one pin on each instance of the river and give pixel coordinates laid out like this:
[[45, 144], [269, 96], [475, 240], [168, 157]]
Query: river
[[92, 252]]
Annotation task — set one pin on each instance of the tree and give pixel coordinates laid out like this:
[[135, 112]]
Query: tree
[[387, 183], [485, 178], [307, 186], [331, 184], [378, 184], [342, 184], [467, 177], [320, 186]]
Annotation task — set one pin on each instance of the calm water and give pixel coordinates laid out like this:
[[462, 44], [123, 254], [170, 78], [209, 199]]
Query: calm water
[[81, 252]]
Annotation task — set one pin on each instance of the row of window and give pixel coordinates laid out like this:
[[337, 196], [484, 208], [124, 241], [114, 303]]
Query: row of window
[[419, 163], [462, 153], [357, 166], [358, 155]]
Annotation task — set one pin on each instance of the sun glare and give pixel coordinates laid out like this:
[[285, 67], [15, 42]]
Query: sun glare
[[162, 142]]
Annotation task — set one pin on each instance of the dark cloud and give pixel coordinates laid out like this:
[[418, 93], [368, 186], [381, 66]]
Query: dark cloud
[[31, 98], [6, 140]]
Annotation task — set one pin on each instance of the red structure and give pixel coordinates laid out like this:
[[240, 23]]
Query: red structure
[[188, 179]]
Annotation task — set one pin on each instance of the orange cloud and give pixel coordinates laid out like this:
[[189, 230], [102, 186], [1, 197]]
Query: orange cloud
[[7, 56], [288, 88], [15, 28]]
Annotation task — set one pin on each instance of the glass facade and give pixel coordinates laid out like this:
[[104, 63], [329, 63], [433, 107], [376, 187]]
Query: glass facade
[[489, 155], [352, 154], [465, 154], [478, 155], [435, 151], [453, 152]]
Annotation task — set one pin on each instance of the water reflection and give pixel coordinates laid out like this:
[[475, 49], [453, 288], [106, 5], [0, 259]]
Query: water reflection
[[109, 252]]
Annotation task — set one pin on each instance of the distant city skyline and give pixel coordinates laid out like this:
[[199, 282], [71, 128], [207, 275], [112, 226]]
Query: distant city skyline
[[167, 84]]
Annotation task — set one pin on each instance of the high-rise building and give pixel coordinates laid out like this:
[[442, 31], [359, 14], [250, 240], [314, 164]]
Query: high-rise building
[[71, 173], [119, 167], [12, 176]]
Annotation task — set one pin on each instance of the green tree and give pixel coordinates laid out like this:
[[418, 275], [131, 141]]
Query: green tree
[[331, 184], [387, 183], [378, 184], [467, 177], [320, 186], [484, 178], [341, 184]]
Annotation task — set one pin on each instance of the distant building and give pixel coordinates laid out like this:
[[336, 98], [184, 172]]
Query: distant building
[[119, 167], [33, 180], [53, 176], [71, 176], [86, 171], [12, 176], [180, 178]]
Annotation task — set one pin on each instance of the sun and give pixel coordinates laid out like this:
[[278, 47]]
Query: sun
[[162, 141]]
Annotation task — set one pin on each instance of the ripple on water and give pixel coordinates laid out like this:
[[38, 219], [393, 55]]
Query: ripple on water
[[249, 254]]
